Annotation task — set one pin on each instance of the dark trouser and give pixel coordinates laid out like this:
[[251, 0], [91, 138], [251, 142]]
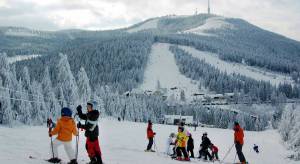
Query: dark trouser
[[150, 144], [215, 155], [204, 152], [180, 150], [239, 152], [190, 150], [93, 150]]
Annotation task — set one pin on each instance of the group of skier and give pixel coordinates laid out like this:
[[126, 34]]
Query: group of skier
[[66, 127], [181, 146]]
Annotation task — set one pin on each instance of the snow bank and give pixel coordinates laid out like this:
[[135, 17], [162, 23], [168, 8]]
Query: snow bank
[[213, 23], [20, 33], [252, 72], [162, 67], [17, 58], [151, 24], [124, 143]]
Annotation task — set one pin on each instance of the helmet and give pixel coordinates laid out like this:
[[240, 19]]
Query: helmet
[[66, 112]]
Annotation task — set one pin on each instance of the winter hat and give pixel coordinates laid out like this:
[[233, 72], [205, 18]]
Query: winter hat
[[172, 135], [205, 133], [188, 134], [181, 128], [66, 112], [90, 103], [236, 123]]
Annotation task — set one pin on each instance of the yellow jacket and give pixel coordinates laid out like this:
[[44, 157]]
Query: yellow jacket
[[65, 127], [181, 139]]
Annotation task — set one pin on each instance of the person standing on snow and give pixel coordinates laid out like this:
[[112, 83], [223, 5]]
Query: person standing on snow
[[190, 145], [91, 132], [239, 141], [170, 144], [181, 141], [64, 128], [204, 147], [150, 136], [255, 148]]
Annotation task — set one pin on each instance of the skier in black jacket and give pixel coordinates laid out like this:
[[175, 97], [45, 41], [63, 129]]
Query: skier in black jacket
[[190, 145], [91, 132], [204, 147]]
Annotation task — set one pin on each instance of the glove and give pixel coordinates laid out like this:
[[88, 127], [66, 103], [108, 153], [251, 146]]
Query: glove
[[50, 135], [154, 133], [79, 109], [79, 125]]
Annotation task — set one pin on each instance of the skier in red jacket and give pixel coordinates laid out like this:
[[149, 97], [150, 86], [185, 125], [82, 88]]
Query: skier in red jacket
[[150, 136], [214, 150], [239, 141]]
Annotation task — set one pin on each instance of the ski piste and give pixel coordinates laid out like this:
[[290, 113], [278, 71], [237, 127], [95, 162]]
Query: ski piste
[[46, 160], [61, 162]]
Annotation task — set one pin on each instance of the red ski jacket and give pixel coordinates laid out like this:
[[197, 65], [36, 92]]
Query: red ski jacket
[[150, 133], [238, 134], [214, 149]]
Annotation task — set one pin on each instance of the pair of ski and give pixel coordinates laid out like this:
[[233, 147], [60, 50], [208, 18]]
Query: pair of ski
[[47, 160]]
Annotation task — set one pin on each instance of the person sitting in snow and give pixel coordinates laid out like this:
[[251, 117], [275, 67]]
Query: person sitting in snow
[[170, 144], [181, 141], [255, 148], [214, 152], [91, 132], [190, 145], [150, 136], [64, 129], [204, 147]]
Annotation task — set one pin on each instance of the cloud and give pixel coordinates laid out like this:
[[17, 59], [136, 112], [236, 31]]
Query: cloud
[[280, 16]]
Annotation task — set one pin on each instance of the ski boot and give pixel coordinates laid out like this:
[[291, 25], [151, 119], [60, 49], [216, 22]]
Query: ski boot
[[73, 161], [54, 160]]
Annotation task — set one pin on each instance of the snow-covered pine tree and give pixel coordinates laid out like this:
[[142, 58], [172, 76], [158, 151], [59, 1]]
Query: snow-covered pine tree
[[51, 103], [38, 112], [6, 113], [66, 81], [84, 88]]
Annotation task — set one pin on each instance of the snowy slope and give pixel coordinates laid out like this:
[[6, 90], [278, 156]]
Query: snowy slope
[[210, 24], [162, 67], [151, 24], [252, 72], [124, 143], [21, 57]]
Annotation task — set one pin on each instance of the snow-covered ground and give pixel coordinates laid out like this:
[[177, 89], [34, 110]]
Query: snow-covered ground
[[124, 143], [21, 57], [162, 67], [151, 24], [229, 67], [212, 23]]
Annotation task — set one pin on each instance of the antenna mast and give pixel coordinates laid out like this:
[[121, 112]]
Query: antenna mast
[[208, 9]]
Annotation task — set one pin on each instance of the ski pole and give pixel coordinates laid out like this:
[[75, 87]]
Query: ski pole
[[235, 157], [77, 140], [155, 147], [49, 125], [227, 153]]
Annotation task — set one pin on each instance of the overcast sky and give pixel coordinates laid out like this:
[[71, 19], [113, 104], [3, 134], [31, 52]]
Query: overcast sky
[[280, 16]]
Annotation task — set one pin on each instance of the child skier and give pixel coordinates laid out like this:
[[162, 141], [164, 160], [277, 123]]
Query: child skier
[[170, 144], [91, 132], [64, 128], [190, 145], [214, 149], [181, 145], [150, 136], [255, 148]]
